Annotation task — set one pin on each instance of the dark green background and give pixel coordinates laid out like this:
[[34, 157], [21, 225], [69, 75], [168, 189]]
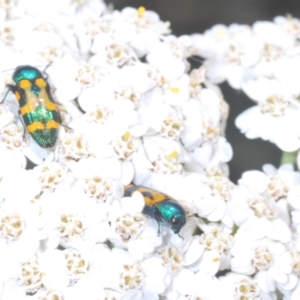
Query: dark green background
[[190, 16]]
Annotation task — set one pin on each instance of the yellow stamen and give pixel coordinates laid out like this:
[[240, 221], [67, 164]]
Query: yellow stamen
[[140, 11], [172, 155], [126, 136], [175, 90], [220, 31]]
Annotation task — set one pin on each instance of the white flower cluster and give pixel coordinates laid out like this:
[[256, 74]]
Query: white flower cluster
[[133, 111], [263, 61]]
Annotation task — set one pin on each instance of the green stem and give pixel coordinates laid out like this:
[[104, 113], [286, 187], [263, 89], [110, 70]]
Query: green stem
[[288, 158]]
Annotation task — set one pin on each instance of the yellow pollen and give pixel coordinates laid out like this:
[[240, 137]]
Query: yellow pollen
[[140, 11], [172, 155], [126, 136], [175, 90], [220, 32]]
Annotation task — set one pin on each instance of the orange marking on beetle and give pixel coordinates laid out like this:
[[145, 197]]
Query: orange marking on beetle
[[24, 84], [40, 82], [151, 197], [26, 109], [50, 105], [18, 96], [52, 124], [41, 126], [35, 126], [155, 198]]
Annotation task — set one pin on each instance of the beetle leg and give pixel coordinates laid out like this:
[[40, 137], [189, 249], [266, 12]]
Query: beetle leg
[[23, 125], [10, 88], [44, 71]]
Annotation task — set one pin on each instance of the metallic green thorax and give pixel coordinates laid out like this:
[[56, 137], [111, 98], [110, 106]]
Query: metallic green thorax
[[169, 213], [26, 72]]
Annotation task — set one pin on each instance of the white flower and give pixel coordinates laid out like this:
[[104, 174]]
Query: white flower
[[27, 187], [157, 165], [269, 261], [230, 51], [259, 217], [6, 116], [290, 25], [132, 111], [191, 285], [131, 229], [72, 79], [274, 45], [145, 278], [275, 115], [19, 232], [146, 28], [50, 176], [210, 195], [166, 58], [213, 248], [237, 286]]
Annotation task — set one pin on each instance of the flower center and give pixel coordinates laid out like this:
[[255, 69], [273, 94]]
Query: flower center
[[75, 146], [127, 93], [217, 239], [87, 76], [171, 127], [11, 226], [99, 114], [274, 105], [262, 209], [168, 164], [197, 77], [71, 226], [131, 277], [263, 258], [51, 295], [51, 176], [119, 55], [271, 52], [77, 266], [129, 225], [277, 189], [97, 187], [172, 258], [12, 136], [221, 187], [31, 276], [247, 289], [210, 132], [296, 262], [234, 53], [7, 35], [94, 27], [124, 146], [50, 54]]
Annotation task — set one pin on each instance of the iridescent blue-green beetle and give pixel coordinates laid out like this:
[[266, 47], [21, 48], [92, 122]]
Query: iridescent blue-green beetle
[[37, 108], [165, 210]]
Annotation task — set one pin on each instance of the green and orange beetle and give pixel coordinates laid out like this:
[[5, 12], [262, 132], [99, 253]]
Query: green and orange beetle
[[37, 108], [165, 210]]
